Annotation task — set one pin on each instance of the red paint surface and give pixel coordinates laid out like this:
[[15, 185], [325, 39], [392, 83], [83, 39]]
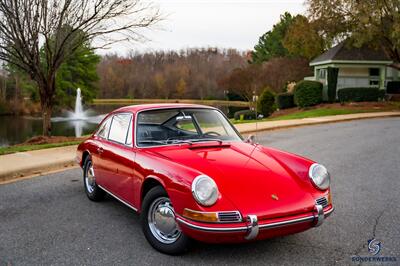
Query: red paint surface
[[246, 175]]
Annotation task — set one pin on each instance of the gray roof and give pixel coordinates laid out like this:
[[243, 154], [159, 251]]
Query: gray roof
[[350, 53]]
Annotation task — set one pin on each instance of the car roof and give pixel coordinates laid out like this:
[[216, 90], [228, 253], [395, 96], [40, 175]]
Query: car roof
[[141, 107]]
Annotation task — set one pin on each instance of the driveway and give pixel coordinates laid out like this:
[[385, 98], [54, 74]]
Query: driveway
[[49, 220]]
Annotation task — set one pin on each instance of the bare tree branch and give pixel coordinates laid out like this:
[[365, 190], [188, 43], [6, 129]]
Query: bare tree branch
[[39, 35]]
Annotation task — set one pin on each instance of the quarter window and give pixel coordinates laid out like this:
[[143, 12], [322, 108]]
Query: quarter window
[[104, 128], [119, 128]]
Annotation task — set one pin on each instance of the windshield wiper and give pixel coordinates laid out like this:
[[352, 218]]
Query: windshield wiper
[[165, 142], [152, 141], [177, 141], [206, 139]]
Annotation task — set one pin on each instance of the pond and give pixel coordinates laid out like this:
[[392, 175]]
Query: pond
[[17, 129]]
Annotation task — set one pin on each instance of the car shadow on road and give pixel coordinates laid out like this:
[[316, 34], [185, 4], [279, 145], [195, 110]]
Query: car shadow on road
[[275, 250]]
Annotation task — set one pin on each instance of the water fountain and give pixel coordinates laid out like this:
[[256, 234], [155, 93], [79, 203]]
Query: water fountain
[[79, 118], [79, 114]]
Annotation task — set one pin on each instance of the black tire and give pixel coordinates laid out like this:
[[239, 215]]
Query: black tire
[[180, 245], [94, 192]]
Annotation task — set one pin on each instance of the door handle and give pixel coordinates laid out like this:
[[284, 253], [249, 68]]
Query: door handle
[[100, 150]]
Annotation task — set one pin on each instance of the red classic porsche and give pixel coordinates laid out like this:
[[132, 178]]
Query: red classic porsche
[[190, 175]]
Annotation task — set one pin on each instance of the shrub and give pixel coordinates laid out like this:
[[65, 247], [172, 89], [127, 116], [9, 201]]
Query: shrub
[[245, 115], [285, 100], [266, 103], [308, 93], [393, 87], [233, 109], [360, 94]]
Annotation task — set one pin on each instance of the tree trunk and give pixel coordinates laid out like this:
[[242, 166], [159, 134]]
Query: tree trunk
[[47, 90], [47, 109]]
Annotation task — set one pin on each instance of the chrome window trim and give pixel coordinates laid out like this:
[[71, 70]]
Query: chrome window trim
[[112, 120], [169, 108], [101, 123], [117, 198]]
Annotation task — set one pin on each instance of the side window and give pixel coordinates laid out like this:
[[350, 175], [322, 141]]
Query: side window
[[104, 128], [119, 128]]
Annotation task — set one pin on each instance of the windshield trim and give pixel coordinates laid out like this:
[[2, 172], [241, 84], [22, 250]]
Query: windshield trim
[[179, 108]]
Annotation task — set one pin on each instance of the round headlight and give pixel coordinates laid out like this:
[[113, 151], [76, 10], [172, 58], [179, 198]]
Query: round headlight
[[204, 190], [319, 176]]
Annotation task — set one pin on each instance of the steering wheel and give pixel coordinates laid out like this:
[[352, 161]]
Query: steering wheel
[[212, 133]]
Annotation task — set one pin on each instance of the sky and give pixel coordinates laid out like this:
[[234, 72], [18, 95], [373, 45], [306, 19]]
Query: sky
[[206, 23]]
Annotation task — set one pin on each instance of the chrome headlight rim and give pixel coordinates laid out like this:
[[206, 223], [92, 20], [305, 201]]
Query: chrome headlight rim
[[213, 195], [326, 183]]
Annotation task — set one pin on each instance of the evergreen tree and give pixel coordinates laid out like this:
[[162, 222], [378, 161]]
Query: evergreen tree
[[270, 44]]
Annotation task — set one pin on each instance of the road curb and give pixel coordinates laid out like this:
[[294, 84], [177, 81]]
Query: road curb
[[309, 122], [7, 176]]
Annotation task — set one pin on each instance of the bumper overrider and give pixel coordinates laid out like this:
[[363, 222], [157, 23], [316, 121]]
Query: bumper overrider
[[251, 228]]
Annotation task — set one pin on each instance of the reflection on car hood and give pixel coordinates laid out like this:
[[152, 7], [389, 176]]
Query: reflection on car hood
[[251, 179]]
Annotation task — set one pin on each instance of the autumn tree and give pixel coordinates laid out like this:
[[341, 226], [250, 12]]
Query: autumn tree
[[280, 71], [275, 74], [181, 87], [302, 39], [26, 24], [159, 80], [270, 43], [375, 23], [244, 82], [156, 74]]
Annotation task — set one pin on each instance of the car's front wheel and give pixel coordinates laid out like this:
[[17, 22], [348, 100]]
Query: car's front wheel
[[159, 224], [93, 191]]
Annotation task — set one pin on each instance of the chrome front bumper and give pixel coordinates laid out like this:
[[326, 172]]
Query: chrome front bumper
[[252, 228]]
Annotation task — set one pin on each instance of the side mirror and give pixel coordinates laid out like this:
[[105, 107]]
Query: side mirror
[[251, 139]]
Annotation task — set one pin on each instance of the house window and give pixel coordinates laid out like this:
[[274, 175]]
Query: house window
[[374, 76], [374, 82], [322, 73], [374, 72]]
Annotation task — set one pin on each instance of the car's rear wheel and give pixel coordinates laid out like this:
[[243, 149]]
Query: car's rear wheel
[[93, 191], [159, 224]]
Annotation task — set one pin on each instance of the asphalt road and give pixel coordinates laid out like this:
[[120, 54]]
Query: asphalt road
[[49, 220]]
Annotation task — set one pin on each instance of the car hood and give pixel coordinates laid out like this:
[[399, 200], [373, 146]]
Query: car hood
[[251, 179]]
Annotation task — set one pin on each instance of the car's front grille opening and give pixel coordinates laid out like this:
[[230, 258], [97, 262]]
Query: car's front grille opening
[[322, 201], [229, 217]]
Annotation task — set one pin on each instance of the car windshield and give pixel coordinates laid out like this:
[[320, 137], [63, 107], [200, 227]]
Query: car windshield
[[173, 126]]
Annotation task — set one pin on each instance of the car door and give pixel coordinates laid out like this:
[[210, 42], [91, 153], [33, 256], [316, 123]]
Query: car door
[[119, 158], [97, 149]]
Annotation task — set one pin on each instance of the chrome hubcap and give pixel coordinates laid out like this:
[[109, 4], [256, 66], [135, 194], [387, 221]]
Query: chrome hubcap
[[161, 219], [90, 178]]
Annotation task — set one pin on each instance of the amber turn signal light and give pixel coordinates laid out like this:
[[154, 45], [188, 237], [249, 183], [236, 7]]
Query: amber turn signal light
[[329, 198], [210, 217]]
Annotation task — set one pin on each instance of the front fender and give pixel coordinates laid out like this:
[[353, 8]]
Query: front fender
[[176, 180]]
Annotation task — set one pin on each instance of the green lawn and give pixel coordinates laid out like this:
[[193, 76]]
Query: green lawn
[[308, 114], [13, 149]]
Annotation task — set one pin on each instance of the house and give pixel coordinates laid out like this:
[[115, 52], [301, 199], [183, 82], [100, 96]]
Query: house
[[358, 67]]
